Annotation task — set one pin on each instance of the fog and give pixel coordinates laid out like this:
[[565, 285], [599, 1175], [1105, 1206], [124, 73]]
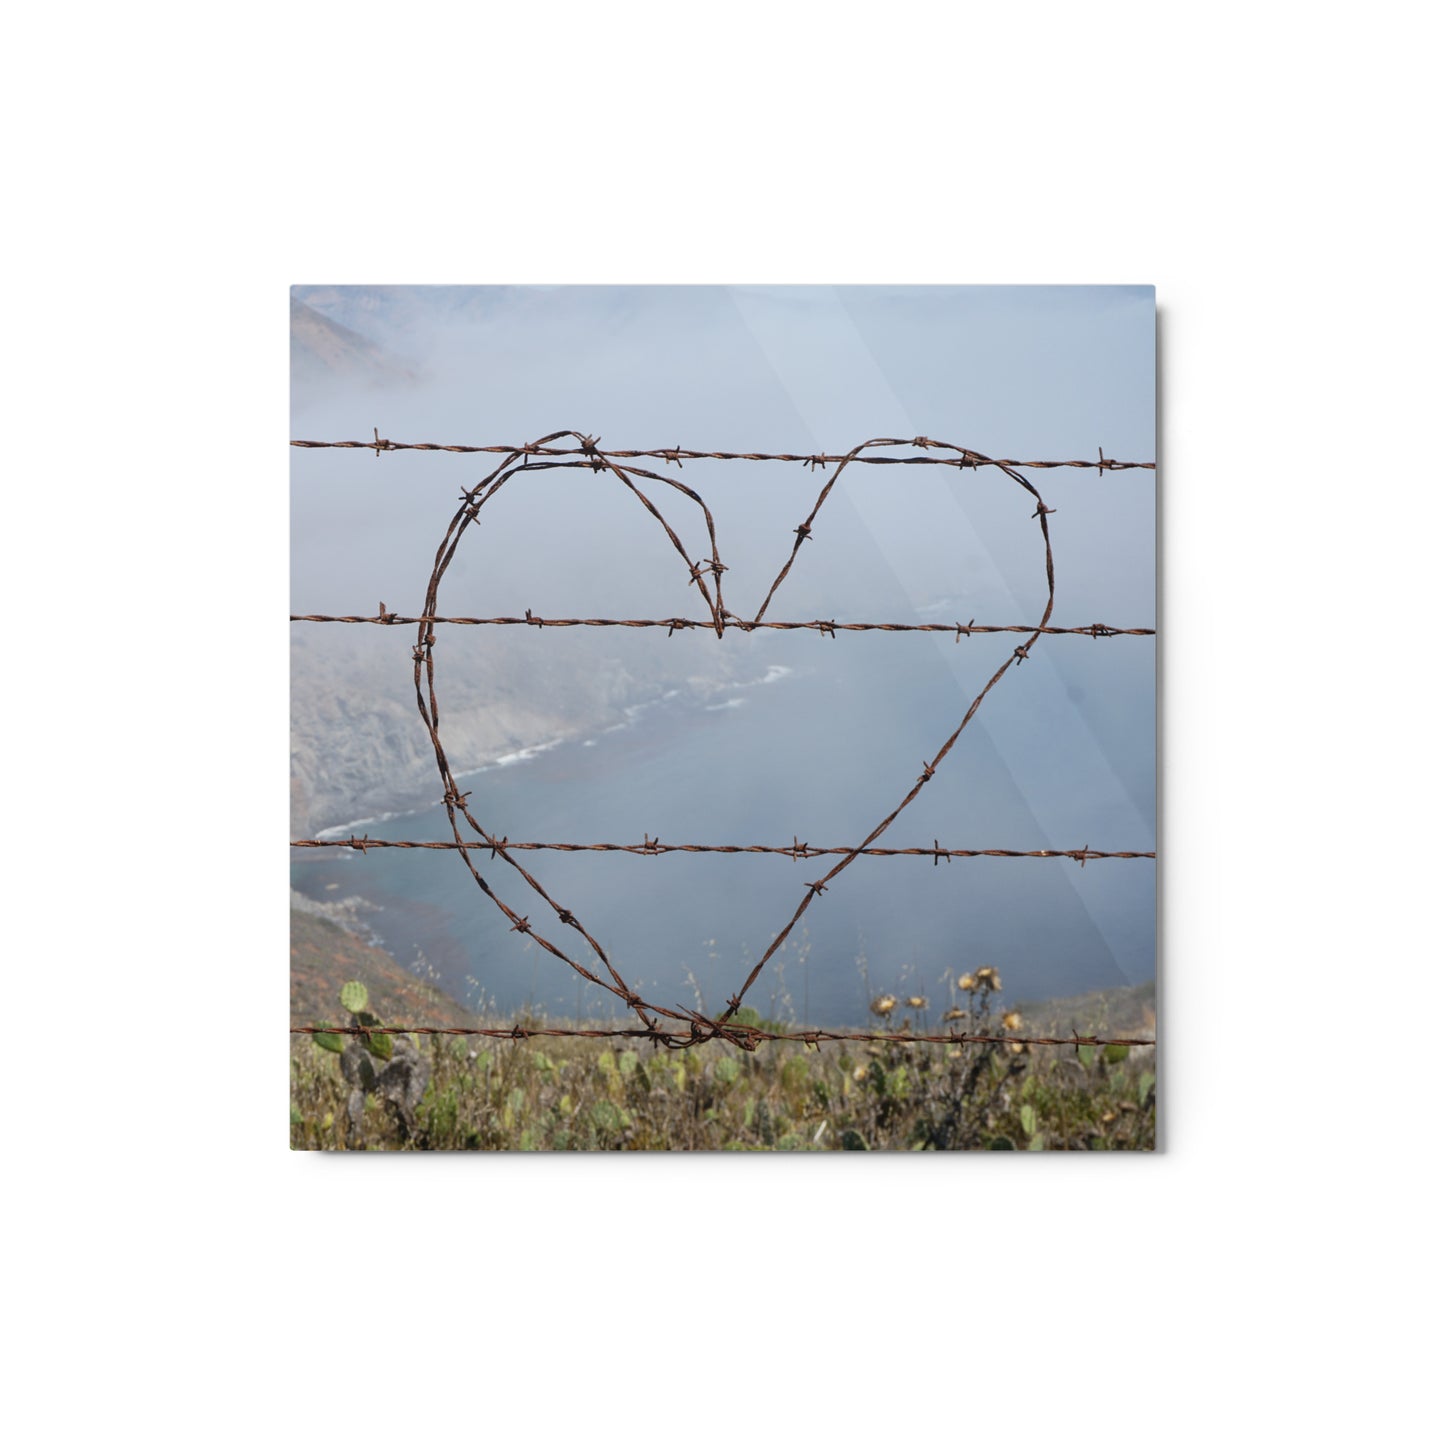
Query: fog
[[1061, 754]]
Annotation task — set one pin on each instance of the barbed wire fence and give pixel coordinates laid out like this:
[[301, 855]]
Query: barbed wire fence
[[679, 1027]]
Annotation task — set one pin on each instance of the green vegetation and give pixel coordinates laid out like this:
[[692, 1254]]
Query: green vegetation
[[439, 1092]]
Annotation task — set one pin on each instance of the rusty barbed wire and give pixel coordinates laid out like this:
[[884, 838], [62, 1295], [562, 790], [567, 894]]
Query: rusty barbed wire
[[651, 848], [679, 455], [682, 624], [743, 1036], [706, 575]]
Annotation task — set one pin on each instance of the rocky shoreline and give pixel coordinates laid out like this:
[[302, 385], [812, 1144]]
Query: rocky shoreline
[[348, 914], [359, 749]]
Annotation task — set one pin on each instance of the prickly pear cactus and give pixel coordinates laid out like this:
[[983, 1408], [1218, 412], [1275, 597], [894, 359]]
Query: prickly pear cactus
[[387, 1065]]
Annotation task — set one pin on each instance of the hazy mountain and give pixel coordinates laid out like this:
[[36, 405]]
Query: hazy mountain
[[402, 316], [326, 354]]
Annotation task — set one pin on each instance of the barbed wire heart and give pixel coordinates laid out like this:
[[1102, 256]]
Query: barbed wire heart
[[589, 454]]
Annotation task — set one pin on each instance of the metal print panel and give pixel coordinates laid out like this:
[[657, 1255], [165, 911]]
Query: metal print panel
[[723, 718]]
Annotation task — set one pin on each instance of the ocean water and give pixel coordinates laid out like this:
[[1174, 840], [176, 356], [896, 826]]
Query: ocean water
[[822, 744]]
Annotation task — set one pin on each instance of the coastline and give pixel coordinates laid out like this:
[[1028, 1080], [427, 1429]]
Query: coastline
[[495, 735]]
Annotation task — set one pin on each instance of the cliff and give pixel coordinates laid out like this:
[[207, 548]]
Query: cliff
[[359, 746]]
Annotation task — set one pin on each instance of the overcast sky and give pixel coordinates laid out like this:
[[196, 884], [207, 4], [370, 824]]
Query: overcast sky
[[1030, 372]]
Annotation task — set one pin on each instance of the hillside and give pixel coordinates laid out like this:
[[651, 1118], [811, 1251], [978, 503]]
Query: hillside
[[324, 956], [1122, 1012], [324, 353]]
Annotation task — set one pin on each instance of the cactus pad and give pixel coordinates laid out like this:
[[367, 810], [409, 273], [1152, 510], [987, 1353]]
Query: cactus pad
[[353, 996]]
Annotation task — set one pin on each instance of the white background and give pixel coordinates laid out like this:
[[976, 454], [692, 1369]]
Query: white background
[[174, 1271]]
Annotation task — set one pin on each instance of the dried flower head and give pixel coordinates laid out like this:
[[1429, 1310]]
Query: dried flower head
[[955, 1013], [883, 1005], [917, 1001], [1013, 1019], [967, 982]]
